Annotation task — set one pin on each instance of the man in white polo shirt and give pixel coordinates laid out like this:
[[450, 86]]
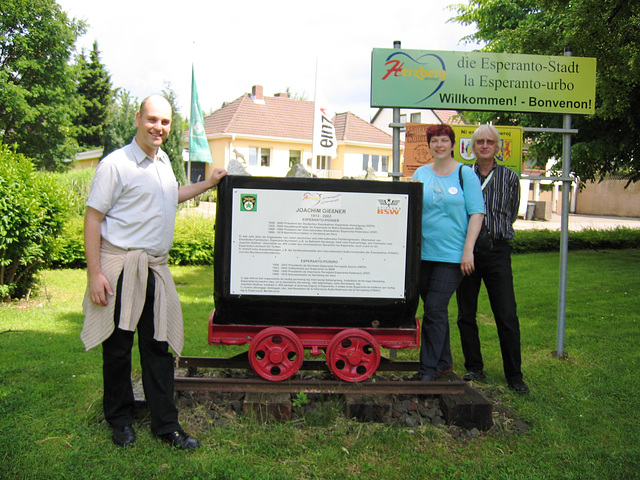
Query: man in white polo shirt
[[129, 225]]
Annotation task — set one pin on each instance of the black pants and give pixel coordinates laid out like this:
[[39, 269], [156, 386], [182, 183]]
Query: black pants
[[157, 371], [494, 268]]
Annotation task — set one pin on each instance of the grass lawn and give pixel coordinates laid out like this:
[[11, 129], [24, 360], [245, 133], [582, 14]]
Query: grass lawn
[[582, 413]]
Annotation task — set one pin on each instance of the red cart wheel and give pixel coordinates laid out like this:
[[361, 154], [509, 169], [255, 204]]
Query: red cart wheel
[[276, 353], [353, 355]]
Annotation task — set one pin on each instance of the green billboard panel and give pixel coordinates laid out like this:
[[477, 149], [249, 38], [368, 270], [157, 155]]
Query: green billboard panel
[[482, 81]]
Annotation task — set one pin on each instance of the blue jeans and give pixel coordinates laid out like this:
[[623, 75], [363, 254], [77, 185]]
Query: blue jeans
[[438, 281]]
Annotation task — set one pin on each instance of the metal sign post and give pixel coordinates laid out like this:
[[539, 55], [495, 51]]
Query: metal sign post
[[564, 239], [396, 126], [430, 79]]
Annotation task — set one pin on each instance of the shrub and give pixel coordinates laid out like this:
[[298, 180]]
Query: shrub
[[33, 209], [192, 245], [76, 183], [69, 251], [527, 241], [193, 241]]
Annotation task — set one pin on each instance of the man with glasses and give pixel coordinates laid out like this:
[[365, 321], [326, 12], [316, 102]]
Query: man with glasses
[[501, 190]]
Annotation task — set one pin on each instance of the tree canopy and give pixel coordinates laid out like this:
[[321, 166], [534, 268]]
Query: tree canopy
[[121, 127], [608, 142], [38, 102]]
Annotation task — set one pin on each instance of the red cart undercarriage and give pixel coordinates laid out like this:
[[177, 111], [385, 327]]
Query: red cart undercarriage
[[277, 353]]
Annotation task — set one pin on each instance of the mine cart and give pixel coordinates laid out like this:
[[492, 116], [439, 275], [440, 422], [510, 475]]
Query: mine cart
[[328, 266]]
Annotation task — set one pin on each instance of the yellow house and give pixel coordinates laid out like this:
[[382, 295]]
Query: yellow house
[[268, 135], [88, 158]]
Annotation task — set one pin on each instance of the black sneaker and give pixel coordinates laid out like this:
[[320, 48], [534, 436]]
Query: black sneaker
[[474, 375]]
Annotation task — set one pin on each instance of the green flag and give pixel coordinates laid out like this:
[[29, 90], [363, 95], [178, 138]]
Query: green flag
[[198, 144]]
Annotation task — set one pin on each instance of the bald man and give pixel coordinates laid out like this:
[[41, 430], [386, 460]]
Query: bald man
[[129, 225]]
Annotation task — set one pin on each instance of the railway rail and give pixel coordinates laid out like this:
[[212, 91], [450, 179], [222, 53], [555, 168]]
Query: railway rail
[[448, 384]]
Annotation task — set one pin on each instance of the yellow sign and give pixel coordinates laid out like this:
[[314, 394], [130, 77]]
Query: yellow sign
[[416, 150], [509, 155]]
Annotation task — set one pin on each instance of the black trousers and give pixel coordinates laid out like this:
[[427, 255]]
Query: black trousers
[[157, 371], [494, 268]]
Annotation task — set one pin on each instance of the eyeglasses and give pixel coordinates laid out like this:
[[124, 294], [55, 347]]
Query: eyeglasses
[[485, 141]]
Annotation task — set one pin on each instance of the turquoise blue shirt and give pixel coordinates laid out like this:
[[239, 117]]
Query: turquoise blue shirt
[[446, 210]]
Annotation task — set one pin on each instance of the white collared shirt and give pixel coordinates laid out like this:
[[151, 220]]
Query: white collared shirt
[[139, 197]]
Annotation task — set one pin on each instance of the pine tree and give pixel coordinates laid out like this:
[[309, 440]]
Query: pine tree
[[174, 145], [94, 86]]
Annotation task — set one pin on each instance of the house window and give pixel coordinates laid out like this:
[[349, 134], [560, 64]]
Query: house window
[[403, 120], [294, 157], [259, 156], [323, 162], [380, 163], [415, 117]]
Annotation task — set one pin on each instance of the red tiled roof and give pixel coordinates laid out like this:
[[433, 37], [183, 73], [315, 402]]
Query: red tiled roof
[[351, 128], [283, 117], [452, 117], [273, 117]]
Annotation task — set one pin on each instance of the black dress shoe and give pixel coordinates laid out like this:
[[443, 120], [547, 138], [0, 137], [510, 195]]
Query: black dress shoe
[[180, 440], [123, 436], [518, 386], [474, 375]]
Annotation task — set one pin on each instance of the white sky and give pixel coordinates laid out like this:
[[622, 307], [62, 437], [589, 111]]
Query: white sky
[[235, 44]]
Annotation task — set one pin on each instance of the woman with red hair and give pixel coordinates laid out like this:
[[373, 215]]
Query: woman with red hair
[[452, 215]]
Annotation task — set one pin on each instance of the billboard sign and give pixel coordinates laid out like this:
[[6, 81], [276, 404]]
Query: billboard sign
[[416, 151], [482, 81]]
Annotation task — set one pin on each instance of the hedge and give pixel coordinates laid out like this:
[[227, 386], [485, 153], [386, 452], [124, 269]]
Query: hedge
[[194, 241], [588, 239], [33, 209]]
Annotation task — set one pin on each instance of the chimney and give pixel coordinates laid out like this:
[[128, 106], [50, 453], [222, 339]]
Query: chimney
[[282, 95], [256, 91]]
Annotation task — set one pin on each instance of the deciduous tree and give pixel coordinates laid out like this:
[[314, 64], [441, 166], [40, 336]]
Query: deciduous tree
[[608, 142], [38, 100]]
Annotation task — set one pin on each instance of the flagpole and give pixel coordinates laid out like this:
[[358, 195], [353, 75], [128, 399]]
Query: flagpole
[[190, 120], [199, 149], [315, 99]]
